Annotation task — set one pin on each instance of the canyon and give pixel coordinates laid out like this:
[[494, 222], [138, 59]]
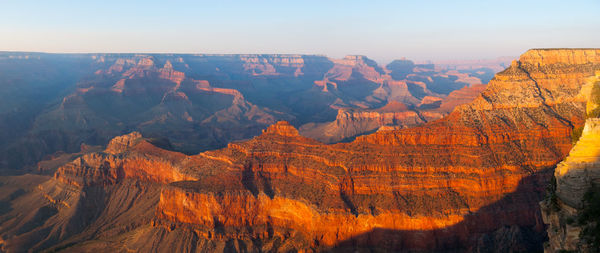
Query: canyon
[[405, 159], [57, 102]]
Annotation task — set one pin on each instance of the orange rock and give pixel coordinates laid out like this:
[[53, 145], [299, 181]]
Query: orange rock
[[282, 128], [434, 187]]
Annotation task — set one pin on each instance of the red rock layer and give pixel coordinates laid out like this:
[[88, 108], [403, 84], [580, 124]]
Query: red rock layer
[[459, 97], [143, 161], [350, 123], [435, 187], [443, 170]]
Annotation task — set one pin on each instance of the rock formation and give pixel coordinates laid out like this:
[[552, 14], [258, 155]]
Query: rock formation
[[576, 177], [421, 88], [350, 123], [467, 182], [54, 102]]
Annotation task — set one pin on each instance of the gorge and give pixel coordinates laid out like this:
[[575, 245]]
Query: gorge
[[403, 158]]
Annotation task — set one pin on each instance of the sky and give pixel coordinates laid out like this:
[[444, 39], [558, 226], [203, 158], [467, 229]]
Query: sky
[[382, 30]]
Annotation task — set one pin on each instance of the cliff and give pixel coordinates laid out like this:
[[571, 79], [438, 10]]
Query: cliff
[[198, 101], [127, 156], [470, 181], [442, 175], [350, 123], [572, 198]]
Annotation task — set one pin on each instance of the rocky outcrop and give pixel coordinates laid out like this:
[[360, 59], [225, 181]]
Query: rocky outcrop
[[127, 156], [551, 57], [351, 123], [577, 177], [575, 174], [282, 128], [460, 97], [121, 143], [168, 73], [574, 177], [367, 68]]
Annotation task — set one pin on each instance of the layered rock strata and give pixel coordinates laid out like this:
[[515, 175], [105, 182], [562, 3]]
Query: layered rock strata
[[350, 123], [577, 177], [467, 182]]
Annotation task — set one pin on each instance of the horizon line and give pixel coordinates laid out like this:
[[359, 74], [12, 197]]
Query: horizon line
[[267, 54]]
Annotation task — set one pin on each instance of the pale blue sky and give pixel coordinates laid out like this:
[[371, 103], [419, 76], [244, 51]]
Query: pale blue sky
[[382, 30]]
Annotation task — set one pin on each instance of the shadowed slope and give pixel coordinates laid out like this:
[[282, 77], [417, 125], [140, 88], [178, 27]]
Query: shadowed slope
[[56, 102], [455, 183]]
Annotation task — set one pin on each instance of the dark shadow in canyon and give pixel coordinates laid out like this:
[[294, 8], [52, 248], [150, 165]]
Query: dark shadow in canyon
[[511, 224]]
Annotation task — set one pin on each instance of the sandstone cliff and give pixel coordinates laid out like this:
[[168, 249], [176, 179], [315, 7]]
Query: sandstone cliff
[[508, 137], [350, 123], [467, 182], [427, 93], [572, 195], [574, 176]]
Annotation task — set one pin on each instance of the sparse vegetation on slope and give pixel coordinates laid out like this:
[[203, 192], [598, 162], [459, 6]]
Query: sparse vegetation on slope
[[595, 99], [595, 113], [589, 218], [576, 134]]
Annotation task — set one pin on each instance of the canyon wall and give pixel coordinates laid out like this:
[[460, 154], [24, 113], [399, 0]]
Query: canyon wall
[[575, 176], [570, 207], [350, 123], [54, 103], [470, 181]]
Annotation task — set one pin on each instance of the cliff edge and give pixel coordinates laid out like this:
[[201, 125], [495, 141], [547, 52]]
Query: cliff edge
[[570, 209]]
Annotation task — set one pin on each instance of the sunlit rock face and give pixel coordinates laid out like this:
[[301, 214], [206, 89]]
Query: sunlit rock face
[[575, 174], [574, 177], [449, 170], [407, 95], [143, 161], [351, 123], [568, 200], [470, 181]]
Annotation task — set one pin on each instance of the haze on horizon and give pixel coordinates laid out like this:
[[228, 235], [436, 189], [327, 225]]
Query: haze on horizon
[[382, 30]]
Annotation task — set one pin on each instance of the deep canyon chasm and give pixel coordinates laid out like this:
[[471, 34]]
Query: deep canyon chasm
[[54, 103], [470, 181]]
